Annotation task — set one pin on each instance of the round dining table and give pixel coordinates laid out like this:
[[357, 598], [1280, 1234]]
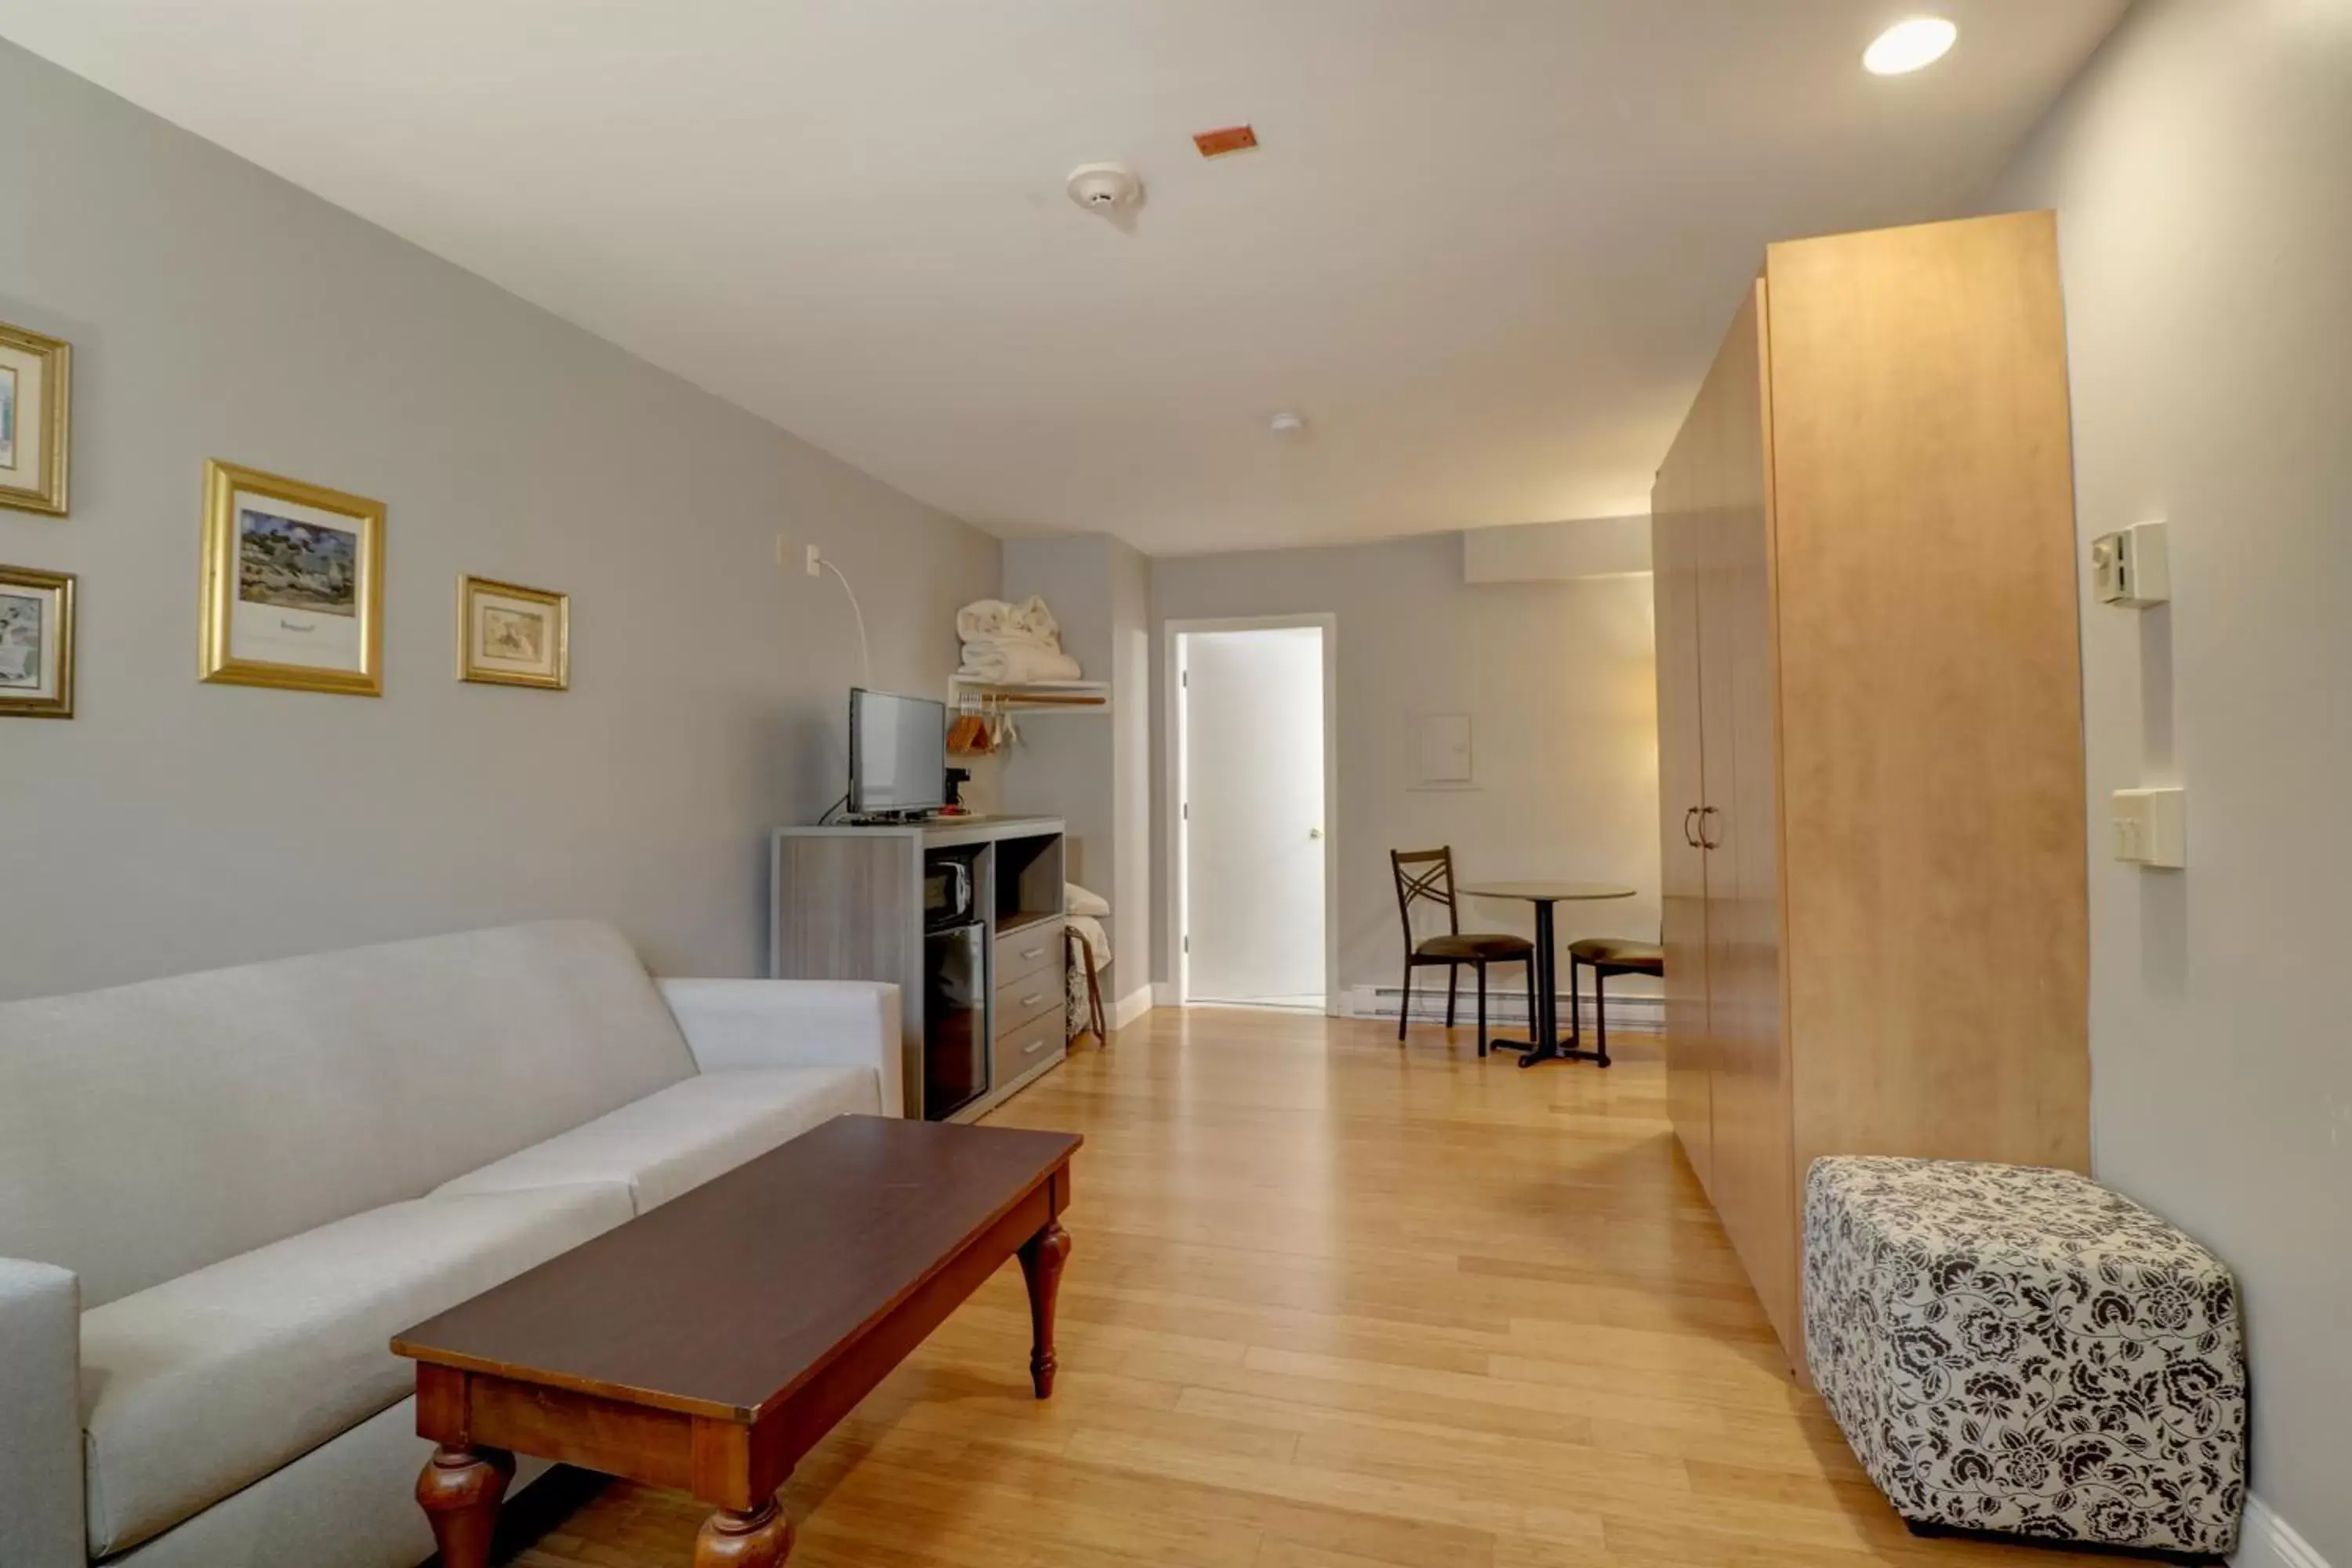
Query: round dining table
[[1543, 1043]]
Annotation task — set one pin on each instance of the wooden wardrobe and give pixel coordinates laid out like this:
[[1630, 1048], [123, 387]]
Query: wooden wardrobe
[[1870, 728]]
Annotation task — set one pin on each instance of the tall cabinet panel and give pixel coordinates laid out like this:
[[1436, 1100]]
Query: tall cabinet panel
[[1934, 735], [1740, 819], [1682, 861], [1865, 527]]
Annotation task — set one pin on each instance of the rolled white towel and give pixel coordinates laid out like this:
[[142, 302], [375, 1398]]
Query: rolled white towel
[[982, 619], [1032, 619]]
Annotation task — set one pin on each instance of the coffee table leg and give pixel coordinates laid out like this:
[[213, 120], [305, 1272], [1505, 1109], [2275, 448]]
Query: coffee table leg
[[1042, 1257], [760, 1538], [460, 1490]]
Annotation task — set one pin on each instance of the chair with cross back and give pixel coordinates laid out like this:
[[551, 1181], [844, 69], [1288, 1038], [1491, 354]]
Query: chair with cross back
[[1426, 876]]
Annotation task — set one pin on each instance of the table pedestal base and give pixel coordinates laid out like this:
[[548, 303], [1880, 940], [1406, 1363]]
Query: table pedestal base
[[1544, 1043]]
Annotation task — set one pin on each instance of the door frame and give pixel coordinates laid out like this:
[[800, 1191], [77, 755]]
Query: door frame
[[1171, 732]]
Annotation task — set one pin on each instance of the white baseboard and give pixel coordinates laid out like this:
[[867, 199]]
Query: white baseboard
[[1133, 1006], [2265, 1540], [1633, 1014], [1163, 993]]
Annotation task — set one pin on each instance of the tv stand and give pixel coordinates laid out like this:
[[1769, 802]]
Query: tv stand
[[845, 903]]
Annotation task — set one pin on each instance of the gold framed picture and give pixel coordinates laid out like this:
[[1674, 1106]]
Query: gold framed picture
[[293, 584], [511, 636], [36, 420], [36, 644]]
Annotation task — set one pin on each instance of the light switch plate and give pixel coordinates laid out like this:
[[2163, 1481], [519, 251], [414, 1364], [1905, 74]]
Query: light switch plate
[[2150, 826]]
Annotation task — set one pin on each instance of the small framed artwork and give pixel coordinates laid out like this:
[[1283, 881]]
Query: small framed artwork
[[512, 636], [1441, 751], [36, 644], [36, 417], [293, 584]]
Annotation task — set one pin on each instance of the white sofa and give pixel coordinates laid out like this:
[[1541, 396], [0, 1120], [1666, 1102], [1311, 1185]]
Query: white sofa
[[221, 1194]]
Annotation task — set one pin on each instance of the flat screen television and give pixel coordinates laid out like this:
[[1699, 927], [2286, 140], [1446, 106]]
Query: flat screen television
[[897, 754]]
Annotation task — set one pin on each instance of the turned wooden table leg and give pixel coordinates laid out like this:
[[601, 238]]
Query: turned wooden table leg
[[460, 1490], [1042, 1257], [760, 1538]]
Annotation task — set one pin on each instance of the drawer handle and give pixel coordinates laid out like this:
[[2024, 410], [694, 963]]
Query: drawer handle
[[1034, 953], [1033, 1046], [1033, 999]]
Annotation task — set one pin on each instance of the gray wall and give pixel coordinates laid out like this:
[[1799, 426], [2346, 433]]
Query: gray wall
[[2205, 213], [1558, 678], [219, 311], [1088, 768]]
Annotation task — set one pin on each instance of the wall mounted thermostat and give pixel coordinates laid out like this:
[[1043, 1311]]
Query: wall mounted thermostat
[[2130, 569], [2151, 826]]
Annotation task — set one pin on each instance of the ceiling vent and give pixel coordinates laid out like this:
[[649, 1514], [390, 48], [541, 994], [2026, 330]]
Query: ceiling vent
[[1230, 139]]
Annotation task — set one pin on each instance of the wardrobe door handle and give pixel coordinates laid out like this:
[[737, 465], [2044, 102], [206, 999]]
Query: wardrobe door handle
[[1704, 841], [1690, 831]]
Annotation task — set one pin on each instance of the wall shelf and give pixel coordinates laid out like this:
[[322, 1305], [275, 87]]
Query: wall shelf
[[1029, 696]]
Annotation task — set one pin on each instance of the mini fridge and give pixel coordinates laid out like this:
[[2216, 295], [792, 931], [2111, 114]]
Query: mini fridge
[[955, 1018]]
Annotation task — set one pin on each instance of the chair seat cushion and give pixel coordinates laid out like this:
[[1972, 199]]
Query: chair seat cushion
[[678, 1138], [1618, 954], [1493, 946], [205, 1383]]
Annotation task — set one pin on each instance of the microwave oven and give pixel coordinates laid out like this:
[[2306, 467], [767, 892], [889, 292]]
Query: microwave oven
[[947, 894]]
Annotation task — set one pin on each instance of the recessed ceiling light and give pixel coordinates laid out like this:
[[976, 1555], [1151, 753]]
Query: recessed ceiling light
[[1907, 45]]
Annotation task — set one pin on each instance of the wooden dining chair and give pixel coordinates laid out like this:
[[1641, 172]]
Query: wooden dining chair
[[1608, 956], [1427, 876]]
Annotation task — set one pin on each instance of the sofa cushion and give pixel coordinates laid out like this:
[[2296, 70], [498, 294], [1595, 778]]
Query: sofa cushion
[[151, 1129], [202, 1384], [679, 1137]]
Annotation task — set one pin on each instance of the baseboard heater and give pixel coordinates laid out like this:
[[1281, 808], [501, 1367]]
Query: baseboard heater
[[1504, 1008]]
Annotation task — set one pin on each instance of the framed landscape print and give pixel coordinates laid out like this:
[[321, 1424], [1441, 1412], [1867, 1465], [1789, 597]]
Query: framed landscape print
[[293, 584], [36, 413], [510, 636], [37, 641]]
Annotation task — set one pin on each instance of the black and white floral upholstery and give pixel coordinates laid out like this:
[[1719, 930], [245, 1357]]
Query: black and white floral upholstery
[[2022, 1351]]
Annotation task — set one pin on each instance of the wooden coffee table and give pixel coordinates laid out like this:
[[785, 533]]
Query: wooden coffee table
[[705, 1346]]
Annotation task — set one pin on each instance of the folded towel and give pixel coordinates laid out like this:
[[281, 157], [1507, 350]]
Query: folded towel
[[1014, 663], [985, 620]]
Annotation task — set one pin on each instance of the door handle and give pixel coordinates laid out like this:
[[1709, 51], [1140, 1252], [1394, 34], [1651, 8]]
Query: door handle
[[1313, 833], [1690, 829], [1704, 841]]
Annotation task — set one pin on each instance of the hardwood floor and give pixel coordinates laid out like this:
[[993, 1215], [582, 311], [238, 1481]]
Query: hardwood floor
[[1336, 1303]]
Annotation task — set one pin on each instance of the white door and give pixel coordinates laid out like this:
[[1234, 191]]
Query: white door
[[1253, 815]]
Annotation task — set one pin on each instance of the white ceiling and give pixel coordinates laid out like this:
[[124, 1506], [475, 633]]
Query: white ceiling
[[1486, 247]]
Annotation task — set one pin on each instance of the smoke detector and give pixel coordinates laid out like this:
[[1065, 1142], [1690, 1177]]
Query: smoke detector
[[1105, 187]]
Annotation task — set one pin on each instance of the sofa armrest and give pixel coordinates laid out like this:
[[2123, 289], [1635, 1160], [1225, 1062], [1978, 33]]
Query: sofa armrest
[[731, 1024], [41, 1504]]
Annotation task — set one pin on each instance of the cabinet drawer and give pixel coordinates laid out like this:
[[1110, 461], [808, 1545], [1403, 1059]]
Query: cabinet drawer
[[1022, 1050], [1023, 952], [1029, 997]]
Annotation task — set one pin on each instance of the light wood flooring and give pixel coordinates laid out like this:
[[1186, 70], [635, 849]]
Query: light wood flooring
[[1338, 1304]]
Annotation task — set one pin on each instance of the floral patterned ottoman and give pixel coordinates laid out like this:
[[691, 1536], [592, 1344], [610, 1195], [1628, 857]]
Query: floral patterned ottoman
[[2022, 1351]]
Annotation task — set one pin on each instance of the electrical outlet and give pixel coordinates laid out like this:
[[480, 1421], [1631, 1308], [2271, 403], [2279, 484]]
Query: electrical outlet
[[814, 570]]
